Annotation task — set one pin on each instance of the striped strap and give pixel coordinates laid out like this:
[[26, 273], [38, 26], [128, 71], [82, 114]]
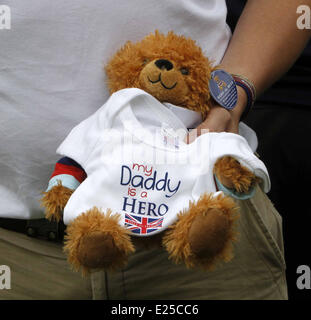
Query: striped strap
[[68, 172]]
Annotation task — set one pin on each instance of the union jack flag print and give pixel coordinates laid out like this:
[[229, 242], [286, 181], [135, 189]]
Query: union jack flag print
[[142, 225]]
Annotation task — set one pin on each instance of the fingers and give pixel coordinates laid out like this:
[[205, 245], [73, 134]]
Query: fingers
[[218, 120], [233, 127], [194, 133]]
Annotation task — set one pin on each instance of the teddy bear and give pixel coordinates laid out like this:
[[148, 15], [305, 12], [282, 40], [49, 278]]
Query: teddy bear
[[172, 69]]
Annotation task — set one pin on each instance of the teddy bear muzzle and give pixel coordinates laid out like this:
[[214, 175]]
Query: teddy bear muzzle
[[164, 81]]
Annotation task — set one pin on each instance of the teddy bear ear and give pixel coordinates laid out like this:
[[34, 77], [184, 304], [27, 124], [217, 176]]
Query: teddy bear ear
[[124, 67]]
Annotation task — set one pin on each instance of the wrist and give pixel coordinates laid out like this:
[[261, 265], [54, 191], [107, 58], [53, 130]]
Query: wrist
[[237, 111], [241, 104], [217, 119], [234, 93]]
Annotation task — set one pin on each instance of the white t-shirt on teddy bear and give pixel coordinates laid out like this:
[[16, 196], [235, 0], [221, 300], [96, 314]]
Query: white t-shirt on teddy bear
[[137, 164]]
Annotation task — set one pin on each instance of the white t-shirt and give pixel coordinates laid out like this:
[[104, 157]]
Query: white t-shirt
[[137, 164], [52, 77]]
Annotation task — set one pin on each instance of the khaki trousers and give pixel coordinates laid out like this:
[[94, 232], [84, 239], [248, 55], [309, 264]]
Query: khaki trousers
[[39, 269]]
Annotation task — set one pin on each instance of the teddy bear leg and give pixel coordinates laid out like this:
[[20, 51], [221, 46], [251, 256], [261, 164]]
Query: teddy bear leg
[[208, 233], [96, 241], [204, 233], [54, 201], [233, 175]]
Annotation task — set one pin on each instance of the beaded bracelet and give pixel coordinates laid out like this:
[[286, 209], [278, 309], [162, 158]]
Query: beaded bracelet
[[250, 91]]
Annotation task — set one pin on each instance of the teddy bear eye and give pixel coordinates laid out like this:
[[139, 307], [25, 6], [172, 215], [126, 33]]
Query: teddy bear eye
[[184, 71], [145, 61]]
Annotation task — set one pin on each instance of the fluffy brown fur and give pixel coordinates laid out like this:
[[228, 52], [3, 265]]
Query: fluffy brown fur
[[55, 201], [96, 224], [126, 66], [204, 232], [217, 237], [231, 174]]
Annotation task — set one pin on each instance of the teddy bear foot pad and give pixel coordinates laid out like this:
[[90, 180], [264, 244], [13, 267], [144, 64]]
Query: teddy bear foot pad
[[95, 240]]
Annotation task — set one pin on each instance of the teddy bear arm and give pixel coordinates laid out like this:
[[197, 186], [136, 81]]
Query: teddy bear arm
[[55, 200], [233, 175], [66, 177]]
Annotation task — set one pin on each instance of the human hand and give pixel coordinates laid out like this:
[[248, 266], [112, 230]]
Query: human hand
[[221, 120]]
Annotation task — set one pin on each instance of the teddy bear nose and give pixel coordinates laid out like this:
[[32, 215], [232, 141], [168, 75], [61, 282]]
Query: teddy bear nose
[[164, 64]]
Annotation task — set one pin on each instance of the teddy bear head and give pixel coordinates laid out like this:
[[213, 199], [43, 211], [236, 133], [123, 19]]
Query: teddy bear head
[[171, 67]]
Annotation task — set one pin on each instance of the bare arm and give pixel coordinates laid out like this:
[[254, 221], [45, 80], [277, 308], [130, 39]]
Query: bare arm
[[265, 44]]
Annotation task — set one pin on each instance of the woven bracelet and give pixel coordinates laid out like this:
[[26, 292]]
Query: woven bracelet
[[250, 91]]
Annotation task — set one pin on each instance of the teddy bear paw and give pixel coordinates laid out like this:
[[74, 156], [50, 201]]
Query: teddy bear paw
[[203, 234], [209, 234], [98, 250], [96, 240], [233, 175], [54, 201]]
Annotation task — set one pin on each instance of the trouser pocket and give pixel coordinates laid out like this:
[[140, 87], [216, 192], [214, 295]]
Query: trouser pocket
[[263, 225]]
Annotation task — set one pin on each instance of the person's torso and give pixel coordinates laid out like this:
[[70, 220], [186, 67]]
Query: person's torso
[[52, 77]]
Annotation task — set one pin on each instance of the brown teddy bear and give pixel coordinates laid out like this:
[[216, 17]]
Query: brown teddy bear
[[172, 69]]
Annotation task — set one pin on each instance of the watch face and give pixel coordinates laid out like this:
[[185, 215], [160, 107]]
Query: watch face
[[223, 89]]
